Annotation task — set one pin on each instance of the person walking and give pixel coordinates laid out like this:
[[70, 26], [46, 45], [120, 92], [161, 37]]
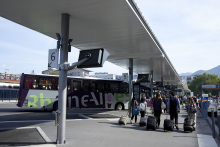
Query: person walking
[[165, 102], [143, 107], [133, 105], [173, 106], [191, 106], [157, 108]]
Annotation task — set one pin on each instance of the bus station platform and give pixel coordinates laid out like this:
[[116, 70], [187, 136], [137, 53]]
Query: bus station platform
[[100, 128]]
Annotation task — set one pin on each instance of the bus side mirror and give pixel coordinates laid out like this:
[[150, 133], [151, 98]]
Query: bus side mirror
[[97, 58]]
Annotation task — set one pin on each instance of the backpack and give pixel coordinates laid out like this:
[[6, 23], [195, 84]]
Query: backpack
[[142, 107]]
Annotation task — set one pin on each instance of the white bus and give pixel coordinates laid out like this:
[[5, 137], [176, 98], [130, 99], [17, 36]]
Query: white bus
[[41, 91]]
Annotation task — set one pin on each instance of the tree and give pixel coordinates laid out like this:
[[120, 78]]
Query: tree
[[205, 79], [54, 73]]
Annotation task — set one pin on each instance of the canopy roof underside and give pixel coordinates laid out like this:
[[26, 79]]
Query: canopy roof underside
[[115, 25]]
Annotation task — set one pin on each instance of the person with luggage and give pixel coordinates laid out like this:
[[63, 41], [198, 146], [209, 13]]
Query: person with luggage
[[165, 102], [143, 107], [191, 108], [173, 106], [133, 105], [189, 121], [157, 108]]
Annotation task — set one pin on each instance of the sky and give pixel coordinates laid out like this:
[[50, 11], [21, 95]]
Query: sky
[[189, 32]]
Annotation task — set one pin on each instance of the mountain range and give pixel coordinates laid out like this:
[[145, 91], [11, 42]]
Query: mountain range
[[215, 70]]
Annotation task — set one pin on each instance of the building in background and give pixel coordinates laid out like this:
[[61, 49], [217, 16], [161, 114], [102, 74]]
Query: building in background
[[104, 75], [79, 72], [187, 78], [10, 78]]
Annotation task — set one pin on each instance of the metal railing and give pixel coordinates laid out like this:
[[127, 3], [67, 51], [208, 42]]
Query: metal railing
[[8, 95]]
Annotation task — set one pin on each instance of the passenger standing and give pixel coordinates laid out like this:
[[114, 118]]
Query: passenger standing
[[191, 105], [133, 105], [165, 102], [173, 106], [157, 108], [152, 101], [143, 107], [195, 100]]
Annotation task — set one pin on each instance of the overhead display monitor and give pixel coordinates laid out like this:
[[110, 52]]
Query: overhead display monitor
[[97, 58], [144, 78]]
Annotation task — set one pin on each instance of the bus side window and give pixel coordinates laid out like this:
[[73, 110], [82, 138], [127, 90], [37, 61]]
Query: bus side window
[[92, 86], [48, 84], [100, 87], [123, 88], [29, 82], [55, 84], [86, 86], [26, 85], [107, 88], [68, 84], [35, 86], [114, 87], [76, 85]]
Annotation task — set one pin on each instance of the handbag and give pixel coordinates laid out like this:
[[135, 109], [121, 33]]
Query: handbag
[[135, 111], [163, 105], [194, 109]]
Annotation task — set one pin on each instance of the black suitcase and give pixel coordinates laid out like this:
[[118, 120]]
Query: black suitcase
[[188, 124], [151, 123], [168, 125], [143, 121]]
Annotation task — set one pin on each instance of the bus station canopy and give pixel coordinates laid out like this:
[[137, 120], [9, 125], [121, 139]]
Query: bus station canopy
[[116, 25]]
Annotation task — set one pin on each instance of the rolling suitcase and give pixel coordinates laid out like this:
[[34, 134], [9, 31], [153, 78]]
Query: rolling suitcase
[[151, 123], [123, 119], [143, 121], [168, 124], [188, 125]]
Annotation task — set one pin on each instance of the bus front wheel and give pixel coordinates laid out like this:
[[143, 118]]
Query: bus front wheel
[[119, 106], [55, 106]]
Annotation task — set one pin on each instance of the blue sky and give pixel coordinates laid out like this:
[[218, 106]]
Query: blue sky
[[189, 32]]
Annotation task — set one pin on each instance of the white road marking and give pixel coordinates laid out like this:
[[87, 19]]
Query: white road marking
[[206, 141], [45, 137]]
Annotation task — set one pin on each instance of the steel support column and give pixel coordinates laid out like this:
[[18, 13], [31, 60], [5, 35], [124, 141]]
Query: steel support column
[[61, 128], [130, 79], [151, 84], [161, 88]]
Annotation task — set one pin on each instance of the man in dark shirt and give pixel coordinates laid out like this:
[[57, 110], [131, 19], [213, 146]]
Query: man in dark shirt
[[173, 106]]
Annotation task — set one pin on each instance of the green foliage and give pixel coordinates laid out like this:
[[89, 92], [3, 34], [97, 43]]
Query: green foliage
[[54, 73], [206, 79]]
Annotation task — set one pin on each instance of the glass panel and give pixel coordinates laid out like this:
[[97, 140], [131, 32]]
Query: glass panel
[[114, 87], [123, 88], [86, 86], [76, 85], [100, 86]]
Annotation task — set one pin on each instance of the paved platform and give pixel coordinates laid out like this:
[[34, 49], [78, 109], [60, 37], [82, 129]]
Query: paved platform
[[102, 129], [19, 137]]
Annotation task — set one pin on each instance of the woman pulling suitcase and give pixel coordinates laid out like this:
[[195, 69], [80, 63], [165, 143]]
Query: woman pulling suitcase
[[133, 109], [157, 108]]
